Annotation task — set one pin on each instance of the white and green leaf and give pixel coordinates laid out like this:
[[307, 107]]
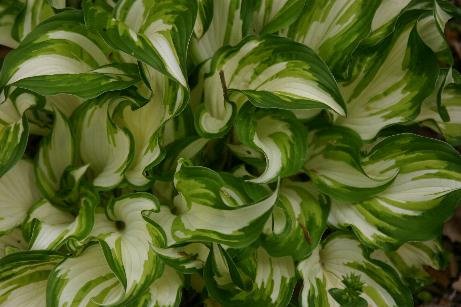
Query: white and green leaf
[[209, 211], [297, 223], [326, 26], [63, 56], [56, 153], [101, 143], [278, 135], [166, 291], [257, 280], [390, 82], [414, 207], [24, 276], [126, 239], [83, 280], [291, 77], [18, 193], [341, 261], [335, 165], [50, 227], [410, 260], [226, 23]]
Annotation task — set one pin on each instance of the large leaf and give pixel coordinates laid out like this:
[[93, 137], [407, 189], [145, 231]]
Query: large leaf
[[342, 263], [210, 209], [335, 165], [62, 56], [155, 32], [270, 283], [18, 193], [390, 82], [24, 276], [278, 135], [297, 223], [291, 76], [327, 26], [126, 239], [83, 280], [223, 23], [422, 196], [101, 143]]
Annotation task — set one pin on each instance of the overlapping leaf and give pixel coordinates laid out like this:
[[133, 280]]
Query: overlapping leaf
[[391, 80], [23, 277], [62, 56], [225, 23], [101, 143], [270, 72], [335, 166], [259, 280], [414, 206], [278, 135], [126, 240], [341, 264], [14, 128], [411, 259], [297, 223], [211, 208]]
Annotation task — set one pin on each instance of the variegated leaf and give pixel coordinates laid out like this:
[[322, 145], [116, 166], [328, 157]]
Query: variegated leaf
[[390, 82], [143, 125], [166, 291], [18, 193], [410, 260], [101, 143], [297, 223], [56, 153], [50, 227], [335, 165], [224, 23], [83, 280], [62, 56], [342, 263], [291, 77], [270, 282], [126, 239], [186, 148], [210, 210], [157, 33], [187, 258], [9, 12], [23, 278], [326, 26], [443, 107], [422, 196], [278, 135], [14, 128], [388, 13]]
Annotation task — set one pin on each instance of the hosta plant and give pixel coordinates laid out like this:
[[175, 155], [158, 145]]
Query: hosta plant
[[226, 152]]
